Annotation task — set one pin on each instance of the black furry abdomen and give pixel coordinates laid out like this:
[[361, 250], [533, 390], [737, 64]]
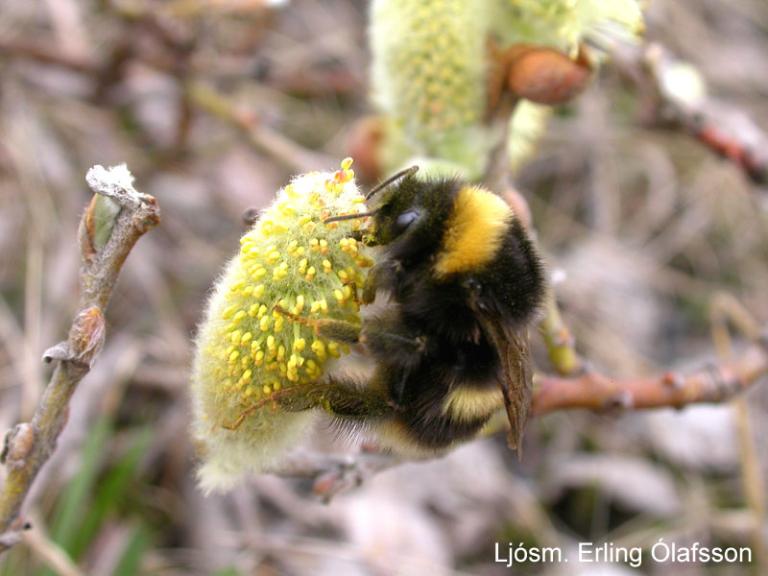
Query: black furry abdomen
[[459, 354]]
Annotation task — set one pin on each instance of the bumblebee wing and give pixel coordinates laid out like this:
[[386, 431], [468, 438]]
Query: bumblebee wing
[[516, 377]]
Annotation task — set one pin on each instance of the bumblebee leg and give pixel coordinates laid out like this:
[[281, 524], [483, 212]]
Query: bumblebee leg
[[247, 411], [383, 276], [389, 341], [381, 336], [340, 397], [338, 330]]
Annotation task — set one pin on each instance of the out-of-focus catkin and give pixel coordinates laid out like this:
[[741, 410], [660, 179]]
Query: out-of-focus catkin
[[431, 64]]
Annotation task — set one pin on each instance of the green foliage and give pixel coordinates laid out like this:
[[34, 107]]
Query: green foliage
[[94, 496]]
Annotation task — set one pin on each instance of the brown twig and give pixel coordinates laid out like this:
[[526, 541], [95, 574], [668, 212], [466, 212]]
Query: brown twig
[[673, 96], [288, 153], [116, 218], [333, 474], [594, 391], [37, 52]]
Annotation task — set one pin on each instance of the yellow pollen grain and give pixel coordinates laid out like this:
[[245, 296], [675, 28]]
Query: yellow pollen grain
[[258, 358], [364, 262], [239, 316], [279, 273], [264, 323], [234, 356], [246, 338], [229, 311], [318, 347]]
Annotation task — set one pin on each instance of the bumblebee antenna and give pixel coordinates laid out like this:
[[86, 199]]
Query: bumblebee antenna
[[378, 188], [392, 179], [349, 216]]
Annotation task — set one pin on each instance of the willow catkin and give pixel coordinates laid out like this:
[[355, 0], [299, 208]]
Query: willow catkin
[[247, 351]]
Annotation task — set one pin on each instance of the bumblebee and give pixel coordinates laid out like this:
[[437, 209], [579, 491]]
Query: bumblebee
[[463, 281], [439, 318]]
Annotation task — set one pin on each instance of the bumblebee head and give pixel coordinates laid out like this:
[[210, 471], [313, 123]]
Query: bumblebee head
[[459, 227], [410, 216], [407, 212]]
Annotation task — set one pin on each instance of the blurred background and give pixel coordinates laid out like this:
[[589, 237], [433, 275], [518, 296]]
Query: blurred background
[[648, 226]]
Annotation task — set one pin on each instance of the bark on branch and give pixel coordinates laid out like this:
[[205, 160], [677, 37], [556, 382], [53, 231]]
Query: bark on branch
[[333, 474], [116, 218], [594, 391], [673, 95]]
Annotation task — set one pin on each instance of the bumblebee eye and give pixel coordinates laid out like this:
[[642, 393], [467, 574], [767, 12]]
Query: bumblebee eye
[[405, 219]]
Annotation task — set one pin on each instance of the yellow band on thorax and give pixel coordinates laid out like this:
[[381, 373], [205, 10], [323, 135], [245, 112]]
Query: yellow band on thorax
[[474, 231]]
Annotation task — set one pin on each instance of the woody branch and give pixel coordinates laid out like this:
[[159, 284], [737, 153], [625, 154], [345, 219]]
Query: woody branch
[[667, 102], [591, 390], [116, 218]]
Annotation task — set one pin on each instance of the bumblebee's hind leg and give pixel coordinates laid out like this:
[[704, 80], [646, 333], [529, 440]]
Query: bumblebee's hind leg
[[382, 335], [341, 397], [328, 328], [383, 276]]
